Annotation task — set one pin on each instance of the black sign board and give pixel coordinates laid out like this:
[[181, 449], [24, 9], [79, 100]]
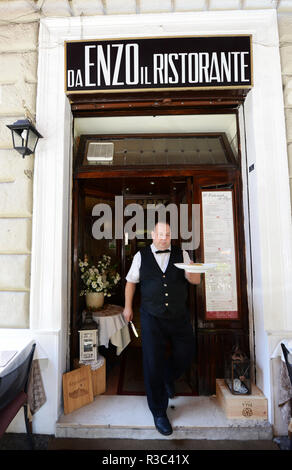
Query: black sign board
[[158, 64]]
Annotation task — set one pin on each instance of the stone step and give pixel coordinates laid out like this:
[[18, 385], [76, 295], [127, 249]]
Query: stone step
[[128, 417]]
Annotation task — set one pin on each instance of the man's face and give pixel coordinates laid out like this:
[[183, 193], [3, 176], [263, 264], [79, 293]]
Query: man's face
[[161, 236]]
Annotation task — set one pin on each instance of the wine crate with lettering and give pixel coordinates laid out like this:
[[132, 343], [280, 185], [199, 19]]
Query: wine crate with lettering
[[99, 380], [77, 389], [98, 377], [254, 406]]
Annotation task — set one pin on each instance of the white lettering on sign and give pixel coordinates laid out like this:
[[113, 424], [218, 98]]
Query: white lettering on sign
[[103, 66], [199, 67], [125, 56], [88, 65], [122, 65], [132, 63], [117, 64]]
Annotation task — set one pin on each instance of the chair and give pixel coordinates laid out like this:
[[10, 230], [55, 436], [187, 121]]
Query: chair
[[288, 360], [13, 395]]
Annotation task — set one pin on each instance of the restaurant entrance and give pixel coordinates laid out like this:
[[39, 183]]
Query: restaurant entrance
[[188, 170], [266, 211]]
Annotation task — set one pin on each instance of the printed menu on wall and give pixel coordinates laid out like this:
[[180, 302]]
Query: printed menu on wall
[[218, 234]]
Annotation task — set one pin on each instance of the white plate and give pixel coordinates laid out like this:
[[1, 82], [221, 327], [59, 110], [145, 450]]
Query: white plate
[[196, 267]]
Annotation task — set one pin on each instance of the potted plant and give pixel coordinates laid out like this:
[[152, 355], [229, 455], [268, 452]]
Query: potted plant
[[98, 281]]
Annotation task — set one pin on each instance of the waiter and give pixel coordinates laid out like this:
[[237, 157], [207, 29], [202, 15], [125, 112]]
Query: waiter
[[164, 318]]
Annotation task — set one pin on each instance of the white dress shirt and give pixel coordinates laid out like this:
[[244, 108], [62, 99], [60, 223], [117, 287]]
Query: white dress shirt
[[162, 261]]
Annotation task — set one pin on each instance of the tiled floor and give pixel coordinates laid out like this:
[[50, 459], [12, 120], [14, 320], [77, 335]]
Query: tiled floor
[[129, 416]]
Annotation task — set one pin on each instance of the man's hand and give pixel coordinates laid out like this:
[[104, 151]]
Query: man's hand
[[128, 313], [193, 278], [129, 294]]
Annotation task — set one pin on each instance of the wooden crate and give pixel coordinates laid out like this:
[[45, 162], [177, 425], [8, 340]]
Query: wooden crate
[[99, 380], [253, 406], [77, 389], [98, 377]]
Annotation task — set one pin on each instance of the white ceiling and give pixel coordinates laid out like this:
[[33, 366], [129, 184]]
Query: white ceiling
[[159, 124]]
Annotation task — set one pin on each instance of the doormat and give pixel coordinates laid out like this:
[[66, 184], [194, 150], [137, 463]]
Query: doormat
[[131, 381]]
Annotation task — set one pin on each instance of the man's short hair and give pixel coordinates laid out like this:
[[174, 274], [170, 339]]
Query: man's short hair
[[160, 221]]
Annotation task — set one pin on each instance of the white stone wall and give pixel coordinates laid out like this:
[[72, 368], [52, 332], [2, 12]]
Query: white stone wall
[[18, 83], [285, 36], [19, 24]]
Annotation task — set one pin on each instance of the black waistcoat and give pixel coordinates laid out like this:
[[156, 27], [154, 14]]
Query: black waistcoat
[[163, 294]]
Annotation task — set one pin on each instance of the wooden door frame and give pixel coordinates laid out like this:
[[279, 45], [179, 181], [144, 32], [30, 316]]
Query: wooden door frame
[[219, 175], [169, 103]]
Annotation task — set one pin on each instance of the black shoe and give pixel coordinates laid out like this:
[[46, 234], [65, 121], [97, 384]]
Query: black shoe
[[163, 425], [170, 390]]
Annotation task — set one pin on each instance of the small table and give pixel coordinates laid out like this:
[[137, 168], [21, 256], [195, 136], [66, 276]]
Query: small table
[[22, 348], [112, 327]]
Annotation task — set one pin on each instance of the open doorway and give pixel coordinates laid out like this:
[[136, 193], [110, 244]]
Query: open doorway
[[124, 372], [160, 167], [216, 331]]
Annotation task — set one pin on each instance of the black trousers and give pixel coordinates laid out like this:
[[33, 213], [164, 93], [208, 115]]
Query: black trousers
[[158, 369]]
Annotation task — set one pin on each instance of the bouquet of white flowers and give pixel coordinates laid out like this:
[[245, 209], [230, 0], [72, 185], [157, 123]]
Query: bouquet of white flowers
[[100, 278]]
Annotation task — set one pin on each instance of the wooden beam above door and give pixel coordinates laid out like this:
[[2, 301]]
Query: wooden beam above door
[[202, 101]]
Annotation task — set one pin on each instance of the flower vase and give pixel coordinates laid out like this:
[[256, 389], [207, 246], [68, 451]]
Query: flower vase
[[94, 300]]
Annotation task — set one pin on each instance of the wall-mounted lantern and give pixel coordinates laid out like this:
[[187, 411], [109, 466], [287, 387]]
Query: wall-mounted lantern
[[25, 136]]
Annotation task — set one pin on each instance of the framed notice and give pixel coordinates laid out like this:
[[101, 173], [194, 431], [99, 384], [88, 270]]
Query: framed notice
[[219, 248]]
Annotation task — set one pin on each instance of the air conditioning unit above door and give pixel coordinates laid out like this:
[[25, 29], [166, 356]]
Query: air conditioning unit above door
[[100, 152]]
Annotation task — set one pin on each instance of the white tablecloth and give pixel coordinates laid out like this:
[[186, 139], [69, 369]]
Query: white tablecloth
[[285, 388], [36, 392], [21, 345], [114, 329], [278, 350]]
